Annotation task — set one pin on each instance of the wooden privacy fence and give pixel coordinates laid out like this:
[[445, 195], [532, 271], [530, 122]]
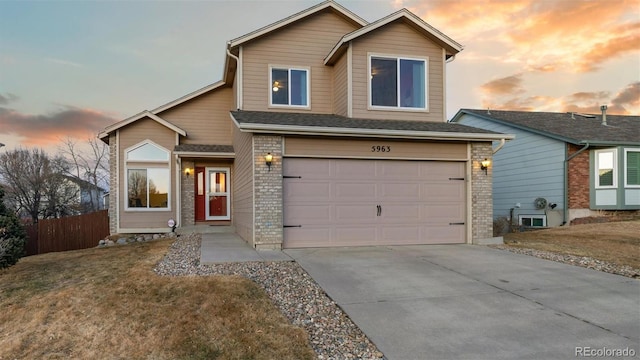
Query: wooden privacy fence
[[69, 233]]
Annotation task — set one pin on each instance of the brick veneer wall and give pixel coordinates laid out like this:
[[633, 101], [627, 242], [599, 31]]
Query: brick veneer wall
[[578, 178], [481, 192], [268, 192], [113, 184], [187, 194]]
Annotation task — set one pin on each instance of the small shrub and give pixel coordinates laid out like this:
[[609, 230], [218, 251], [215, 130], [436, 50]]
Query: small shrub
[[12, 236]]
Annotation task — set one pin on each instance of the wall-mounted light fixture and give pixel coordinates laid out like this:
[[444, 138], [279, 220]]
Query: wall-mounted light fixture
[[484, 165], [187, 172], [269, 160]]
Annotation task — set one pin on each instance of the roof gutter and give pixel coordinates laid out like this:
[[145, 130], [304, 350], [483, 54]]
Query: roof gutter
[[566, 180], [404, 134]]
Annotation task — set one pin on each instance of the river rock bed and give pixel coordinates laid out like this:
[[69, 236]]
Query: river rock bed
[[587, 262], [332, 334]]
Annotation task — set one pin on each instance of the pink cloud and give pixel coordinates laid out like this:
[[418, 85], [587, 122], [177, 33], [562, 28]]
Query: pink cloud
[[48, 129]]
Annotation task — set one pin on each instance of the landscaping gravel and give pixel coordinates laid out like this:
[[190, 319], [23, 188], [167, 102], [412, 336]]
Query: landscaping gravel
[[332, 333], [587, 262]]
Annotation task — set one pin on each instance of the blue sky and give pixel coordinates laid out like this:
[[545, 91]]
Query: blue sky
[[70, 68]]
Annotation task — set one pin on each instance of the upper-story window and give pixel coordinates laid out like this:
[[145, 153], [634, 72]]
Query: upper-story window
[[398, 83], [289, 87], [147, 181]]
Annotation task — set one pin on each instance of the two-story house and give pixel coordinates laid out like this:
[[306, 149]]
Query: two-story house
[[326, 130]]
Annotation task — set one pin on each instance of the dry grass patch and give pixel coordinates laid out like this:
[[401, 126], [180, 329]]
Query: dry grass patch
[[615, 242], [108, 303]]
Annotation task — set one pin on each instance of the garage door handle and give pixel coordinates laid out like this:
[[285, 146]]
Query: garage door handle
[[379, 210], [460, 223], [290, 226]]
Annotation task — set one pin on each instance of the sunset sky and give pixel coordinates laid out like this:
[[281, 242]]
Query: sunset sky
[[71, 68]]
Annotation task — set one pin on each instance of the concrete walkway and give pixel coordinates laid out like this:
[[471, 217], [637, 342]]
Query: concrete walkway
[[229, 247], [474, 302]]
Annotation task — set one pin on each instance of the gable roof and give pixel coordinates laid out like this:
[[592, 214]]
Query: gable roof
[[105, 133], [336, 125], [339, 9], [450, 45], [569, 127]]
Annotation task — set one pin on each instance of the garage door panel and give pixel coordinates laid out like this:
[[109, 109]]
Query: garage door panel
[[401, 235], [364, 213], [443, 234], [443, 213], [450, 191], [355, 191], [400, 214], [398, 170], [306, 191], [321, 169], [399, 191], [355, 234], [307, 237], [354, 169], [434, 170], [308, 214]]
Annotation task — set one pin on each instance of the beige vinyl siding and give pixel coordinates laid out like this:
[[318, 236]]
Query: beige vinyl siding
[[205, 118], [242, 197], [302, 44], [340, 91], [355, 148], [137, 132], [397, 39]]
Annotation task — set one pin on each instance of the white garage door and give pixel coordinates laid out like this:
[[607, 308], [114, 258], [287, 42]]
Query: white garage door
[[339, 202]]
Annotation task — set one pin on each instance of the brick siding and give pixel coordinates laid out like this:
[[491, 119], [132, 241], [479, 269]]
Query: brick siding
[[481, 192], [578, 178], [268, 192]]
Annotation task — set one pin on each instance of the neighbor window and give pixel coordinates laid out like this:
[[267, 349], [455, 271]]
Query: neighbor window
[[147, 177], [398, 82], [532, 220], [632, 167], [605, 168], [289, 87]]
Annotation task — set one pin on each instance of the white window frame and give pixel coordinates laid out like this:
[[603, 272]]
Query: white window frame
[[146, 165], [626, 151], [289, 68], [533, 216], [399, 107], [597, 169]]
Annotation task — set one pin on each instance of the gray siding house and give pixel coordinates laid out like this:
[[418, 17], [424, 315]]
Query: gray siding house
[[561, 166]]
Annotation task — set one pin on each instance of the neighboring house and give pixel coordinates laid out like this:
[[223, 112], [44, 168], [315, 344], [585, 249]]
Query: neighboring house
[[561, 166], [90, 196], [325, 130]]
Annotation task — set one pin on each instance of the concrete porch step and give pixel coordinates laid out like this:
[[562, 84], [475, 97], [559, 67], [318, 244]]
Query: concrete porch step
[[206, 229]]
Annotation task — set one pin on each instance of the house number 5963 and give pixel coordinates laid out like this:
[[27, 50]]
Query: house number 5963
[[381, 148]]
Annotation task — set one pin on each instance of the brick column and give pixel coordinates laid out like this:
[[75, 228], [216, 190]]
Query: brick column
[[187, 194], [268, 192], [481, 193], [113, 184]]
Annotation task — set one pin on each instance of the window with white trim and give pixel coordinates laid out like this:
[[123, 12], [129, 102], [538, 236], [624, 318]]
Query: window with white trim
[[632, 167], [606, 170], [397, 82], [289, 87], [147, 177], [532, 220]]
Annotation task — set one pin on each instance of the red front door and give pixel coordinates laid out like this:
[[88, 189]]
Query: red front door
[[200, 192]]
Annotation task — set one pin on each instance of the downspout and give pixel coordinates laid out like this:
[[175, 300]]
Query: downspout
[[238, 79], [566, 182]]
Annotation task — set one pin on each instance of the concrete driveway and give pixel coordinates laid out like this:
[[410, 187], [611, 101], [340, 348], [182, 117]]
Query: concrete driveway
[[474, 302]]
